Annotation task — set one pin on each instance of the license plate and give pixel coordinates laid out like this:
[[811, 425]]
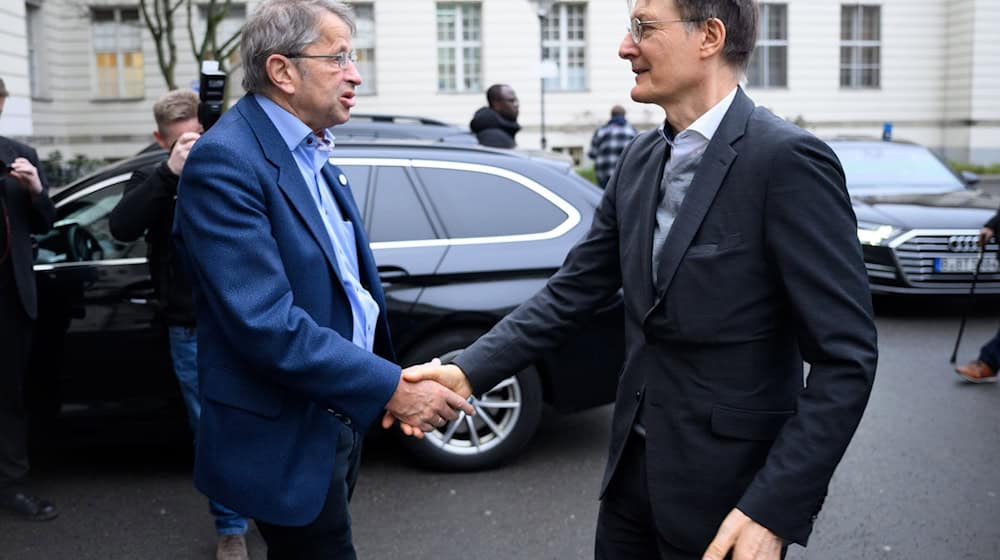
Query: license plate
[[966, 264]]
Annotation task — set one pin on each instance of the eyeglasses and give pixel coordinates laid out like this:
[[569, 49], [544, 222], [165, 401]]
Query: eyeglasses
[[343, 59], [635, 26]]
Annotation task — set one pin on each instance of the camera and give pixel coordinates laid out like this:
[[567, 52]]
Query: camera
[[211, 93]]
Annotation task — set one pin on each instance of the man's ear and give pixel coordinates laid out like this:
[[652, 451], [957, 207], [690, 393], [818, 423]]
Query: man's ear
[[282, 72], [715, 37], [160, 140]]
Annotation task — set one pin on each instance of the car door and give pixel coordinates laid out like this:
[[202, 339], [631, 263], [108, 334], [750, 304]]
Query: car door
[[99, 334], [406, 244]]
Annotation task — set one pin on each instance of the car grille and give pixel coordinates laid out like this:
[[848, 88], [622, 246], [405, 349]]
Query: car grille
[[916, 252]]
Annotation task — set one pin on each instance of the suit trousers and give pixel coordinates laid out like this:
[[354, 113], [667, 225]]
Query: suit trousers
[[15, 343], [328, 537], [625, 525]]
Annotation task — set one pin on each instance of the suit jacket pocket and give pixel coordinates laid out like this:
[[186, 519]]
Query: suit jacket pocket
[[756, 425], [251, 397]]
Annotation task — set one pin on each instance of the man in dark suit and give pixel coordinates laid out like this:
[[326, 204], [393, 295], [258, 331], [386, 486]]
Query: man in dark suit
[[25, 209], [294, 355], [732, 236]]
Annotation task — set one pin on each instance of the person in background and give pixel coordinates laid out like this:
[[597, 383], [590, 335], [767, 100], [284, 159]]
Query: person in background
[[984, 369], [25, 208], [147, 208], [496, 124], [608, 143]]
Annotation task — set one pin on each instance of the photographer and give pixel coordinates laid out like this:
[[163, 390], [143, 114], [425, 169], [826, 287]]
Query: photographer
[[984, 370], [25, 208], [147, 207]]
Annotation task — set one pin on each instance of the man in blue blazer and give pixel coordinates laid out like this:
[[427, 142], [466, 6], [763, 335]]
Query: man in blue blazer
[[732, 236], [295, 360]]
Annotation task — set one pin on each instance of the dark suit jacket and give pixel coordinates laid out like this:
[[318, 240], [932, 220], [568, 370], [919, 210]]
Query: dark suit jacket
[[761, 270], [274, 323], [26, 216]]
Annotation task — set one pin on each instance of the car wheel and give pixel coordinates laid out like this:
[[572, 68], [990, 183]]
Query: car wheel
[[507, 417]]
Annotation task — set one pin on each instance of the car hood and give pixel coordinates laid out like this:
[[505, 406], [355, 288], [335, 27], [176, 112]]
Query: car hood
[[964, 209]]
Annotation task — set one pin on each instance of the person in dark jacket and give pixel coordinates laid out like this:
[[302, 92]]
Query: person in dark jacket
[[147, 208], [496, 125], [984, 369], [25, 208]]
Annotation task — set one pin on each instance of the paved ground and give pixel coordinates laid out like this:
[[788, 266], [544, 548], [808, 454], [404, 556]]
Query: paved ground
[[919, 482]]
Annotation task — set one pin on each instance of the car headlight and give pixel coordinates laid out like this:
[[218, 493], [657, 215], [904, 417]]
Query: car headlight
[[875, 234]]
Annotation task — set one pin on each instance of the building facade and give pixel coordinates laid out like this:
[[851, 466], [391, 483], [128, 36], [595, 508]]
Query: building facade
[[84, 73]]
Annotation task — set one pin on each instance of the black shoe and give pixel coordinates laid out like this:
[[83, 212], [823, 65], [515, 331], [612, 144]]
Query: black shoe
[[28, 506]]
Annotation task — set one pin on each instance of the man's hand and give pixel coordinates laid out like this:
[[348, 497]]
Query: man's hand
[[448, 376], [985, 235], [747, 539], [180, 150], [422, 406], [26, 175]]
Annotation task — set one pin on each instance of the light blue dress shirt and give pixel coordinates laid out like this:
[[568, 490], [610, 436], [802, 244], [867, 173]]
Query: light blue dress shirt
[[311, 154]]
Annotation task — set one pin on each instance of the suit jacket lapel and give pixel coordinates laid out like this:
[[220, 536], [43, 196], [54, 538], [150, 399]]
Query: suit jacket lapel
[[705, 185], [648, 200], [289, 179]]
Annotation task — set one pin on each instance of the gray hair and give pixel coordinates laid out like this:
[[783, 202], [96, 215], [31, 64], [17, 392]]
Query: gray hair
[[282, 27]]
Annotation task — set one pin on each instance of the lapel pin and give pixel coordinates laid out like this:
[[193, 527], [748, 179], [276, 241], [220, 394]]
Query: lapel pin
[[343, 179]]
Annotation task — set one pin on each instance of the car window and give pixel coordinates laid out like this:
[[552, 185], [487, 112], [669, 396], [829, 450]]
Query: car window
[[398, 214], [357, 176], [476, 204], [893, 167], [82, 231]]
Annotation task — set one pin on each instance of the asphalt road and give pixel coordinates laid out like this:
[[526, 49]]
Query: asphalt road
[[920, 481]]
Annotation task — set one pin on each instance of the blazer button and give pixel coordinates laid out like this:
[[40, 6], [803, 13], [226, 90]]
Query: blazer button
[[638, 396]]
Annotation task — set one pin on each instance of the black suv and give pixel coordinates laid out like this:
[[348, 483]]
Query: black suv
[[461, 234]]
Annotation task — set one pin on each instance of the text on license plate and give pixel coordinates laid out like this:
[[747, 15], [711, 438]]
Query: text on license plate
[[966, 264]]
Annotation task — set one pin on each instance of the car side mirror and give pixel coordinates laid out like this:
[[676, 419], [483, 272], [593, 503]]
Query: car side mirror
[[969, 178]]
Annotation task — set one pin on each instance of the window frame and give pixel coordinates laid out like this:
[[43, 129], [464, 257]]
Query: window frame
[[369, 84], [563, 45], [765, 45], [119, 53], [458, 45], [857, 45]]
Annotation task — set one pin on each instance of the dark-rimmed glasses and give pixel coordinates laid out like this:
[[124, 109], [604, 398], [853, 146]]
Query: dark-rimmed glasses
[[636, 25], [342, 59]]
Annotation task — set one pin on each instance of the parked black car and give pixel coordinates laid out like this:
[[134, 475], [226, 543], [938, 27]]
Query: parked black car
[[461, 234], [918, 222]]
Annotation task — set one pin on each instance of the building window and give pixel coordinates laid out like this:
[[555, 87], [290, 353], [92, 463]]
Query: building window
[[564, 42], [860, 46], [769, 63], [459, 40], [117, 36], [364, 45], [38, 80]]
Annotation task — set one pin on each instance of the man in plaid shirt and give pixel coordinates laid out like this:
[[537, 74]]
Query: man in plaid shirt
[[608, 143]]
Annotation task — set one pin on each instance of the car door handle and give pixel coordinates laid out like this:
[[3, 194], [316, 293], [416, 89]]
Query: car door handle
[[138, 301], [388, 274]]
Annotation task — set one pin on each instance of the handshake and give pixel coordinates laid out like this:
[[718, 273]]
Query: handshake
[[428, 397]]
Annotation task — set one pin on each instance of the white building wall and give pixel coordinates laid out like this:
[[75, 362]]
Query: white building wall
[[939, 80], [16, 118]]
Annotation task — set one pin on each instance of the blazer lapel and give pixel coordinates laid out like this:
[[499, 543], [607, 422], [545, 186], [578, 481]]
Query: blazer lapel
[[647, 201], [289, 178], [715, 163], [366, 263]]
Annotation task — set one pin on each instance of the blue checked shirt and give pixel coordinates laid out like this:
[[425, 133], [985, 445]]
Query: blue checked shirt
[[607, 144]]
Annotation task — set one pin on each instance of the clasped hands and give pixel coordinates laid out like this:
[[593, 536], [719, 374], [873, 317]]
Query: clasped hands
[[428, 397]]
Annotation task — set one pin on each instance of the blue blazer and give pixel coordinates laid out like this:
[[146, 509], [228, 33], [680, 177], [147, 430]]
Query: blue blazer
[[275, 355]]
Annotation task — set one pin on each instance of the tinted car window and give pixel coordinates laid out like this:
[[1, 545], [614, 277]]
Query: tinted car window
[[82, 232], [357, 176], [892, 167], [474, 204], [398, 214]]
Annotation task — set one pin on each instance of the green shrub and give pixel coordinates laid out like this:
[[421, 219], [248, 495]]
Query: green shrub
[[993, 169], [60, 172], [588, 173]]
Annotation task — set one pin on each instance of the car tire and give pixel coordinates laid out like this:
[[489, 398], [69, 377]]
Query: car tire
[[513, 409]]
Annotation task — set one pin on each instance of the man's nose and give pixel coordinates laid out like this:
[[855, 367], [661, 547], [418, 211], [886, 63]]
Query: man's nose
[[627, 49], [352, 75]]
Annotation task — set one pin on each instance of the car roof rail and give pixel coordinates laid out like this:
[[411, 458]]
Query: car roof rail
[[397, 119]]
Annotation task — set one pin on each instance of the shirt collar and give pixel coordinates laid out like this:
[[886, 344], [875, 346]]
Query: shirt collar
[[293, 131], [705, 125]]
